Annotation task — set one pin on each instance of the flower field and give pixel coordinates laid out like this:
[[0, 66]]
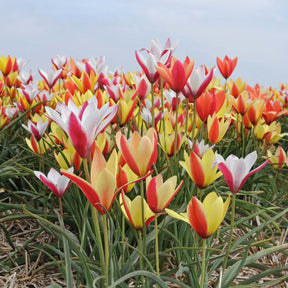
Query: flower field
[[170, 176]]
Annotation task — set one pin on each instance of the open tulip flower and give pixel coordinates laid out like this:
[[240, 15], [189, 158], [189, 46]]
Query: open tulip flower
[[37, 130], [201, 170], [139, 152], [101, 193], [255, 110], [206, 217], [227, 66], [56, 182], [159, 194], [82, 126], [198, 81], [177, 75], [51, 77], [132, 210], [236, 170]]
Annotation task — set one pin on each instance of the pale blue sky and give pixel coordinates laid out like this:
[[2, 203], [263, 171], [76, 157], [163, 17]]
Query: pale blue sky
[[256, 31]]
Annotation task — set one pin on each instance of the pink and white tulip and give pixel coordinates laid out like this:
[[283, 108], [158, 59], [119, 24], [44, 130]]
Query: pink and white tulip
[[236, 170]]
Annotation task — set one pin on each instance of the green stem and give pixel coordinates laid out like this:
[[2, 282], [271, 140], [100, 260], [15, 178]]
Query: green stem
[[106, 243], [141, 258], [187, 115], [99, 240], [143, 217], [60, 207], [156, 247], [86, 170], [203, 267], [231, 232]]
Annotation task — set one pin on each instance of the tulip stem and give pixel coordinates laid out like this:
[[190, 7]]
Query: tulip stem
[[106, 243], [231, 232], [203, 267], [143, 250], [187, 115], [156, 246], [60, 207], [95, 220]]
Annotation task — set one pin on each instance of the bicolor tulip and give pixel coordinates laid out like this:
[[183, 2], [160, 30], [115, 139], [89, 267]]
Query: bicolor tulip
[[101, 193], [177, 75], [139, 152], [159, 194], [236, 170], [206, 217], [227, 66], [200, 148], [6, 64], [132, 210], [236, 87], [201, 170], [198, 81], [240, 104], [278, 159], [38, 129], [217, 129], [167, 142], [82, 125], [56, 182], [124, 176], [51, 77], [148, 65], [255, 110]]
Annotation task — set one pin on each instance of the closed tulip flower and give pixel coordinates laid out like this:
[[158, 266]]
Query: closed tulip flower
[[139, 152], [160, 194]]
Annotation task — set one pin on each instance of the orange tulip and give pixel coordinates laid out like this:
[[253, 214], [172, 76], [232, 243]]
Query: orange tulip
[[255, 110], [226, 66]]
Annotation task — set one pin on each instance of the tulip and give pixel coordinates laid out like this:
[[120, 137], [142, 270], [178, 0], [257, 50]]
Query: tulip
[[148, 65], [255, 110], [56, 182], [201, 170], [37, 130], [273, 111], [177, 75], [101, 192], [206, 217], [278, 159], [139, 152], [217, 129], [160, 194], [236, 170], [133, 211], [51, 77], [82, 126], [226, 66], [198, 81], [167, 143], [240, 104], [6, 65]]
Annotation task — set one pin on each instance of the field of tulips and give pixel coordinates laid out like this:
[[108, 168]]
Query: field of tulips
[[165, 177]]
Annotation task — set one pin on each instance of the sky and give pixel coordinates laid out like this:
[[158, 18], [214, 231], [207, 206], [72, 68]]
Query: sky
[[255, 31]]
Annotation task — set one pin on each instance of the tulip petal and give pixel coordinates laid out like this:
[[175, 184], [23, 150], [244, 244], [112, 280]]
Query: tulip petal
[[198, 217]]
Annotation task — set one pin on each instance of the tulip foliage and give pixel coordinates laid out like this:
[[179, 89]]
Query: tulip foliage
[[172, 155]]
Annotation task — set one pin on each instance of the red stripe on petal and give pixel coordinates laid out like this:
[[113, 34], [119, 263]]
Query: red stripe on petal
[[85, 187], [127, 155], [197, 173], [197, 217], [228, 177], [78, 137], [151, 194]]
